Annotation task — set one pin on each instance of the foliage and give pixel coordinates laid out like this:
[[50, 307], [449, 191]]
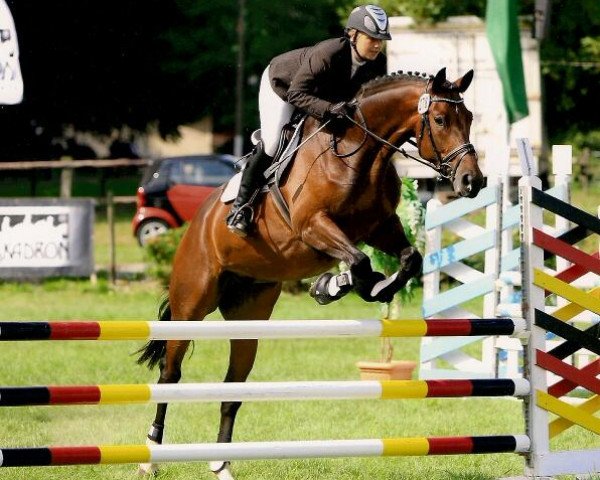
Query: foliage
[[111, 65], [161, 252], [87, 64], [571, 67], [412, 215], [570, 55], [586, 152], [101, 66]]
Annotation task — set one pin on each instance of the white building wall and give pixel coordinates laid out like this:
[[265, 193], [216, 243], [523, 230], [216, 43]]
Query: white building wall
[[461, 44]]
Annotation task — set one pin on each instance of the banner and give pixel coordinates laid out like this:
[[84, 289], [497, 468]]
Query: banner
[[42, 238], [11, 82], [502, 27]]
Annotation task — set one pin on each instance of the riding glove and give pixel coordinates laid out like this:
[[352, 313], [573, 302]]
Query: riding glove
[[341, 110]]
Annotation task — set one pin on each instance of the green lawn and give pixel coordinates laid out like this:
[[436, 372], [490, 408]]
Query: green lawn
[[38, 363], [31, 363], [127, 249]]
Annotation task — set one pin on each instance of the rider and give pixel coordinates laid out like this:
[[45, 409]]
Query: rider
[[317, 80]]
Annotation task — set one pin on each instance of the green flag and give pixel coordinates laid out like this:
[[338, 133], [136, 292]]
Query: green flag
[[502, 27]]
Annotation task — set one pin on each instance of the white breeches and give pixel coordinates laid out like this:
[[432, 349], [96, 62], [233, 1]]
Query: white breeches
[[274, 114]]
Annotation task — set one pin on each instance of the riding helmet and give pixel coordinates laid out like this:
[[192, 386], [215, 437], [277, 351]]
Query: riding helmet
[[371, 20]]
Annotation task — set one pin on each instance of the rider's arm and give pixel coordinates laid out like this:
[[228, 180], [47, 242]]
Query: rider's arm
[[315, 69]]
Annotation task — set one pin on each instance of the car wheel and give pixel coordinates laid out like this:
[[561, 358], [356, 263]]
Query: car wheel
[[149, 229]]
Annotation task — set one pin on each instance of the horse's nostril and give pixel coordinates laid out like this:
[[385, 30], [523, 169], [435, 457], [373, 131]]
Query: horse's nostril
[[467, 180]]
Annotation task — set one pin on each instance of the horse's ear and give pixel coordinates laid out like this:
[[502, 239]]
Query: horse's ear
[[439, 80], [463, 83]]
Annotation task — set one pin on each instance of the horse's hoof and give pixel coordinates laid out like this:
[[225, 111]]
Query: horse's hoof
[[221, 470], [329, 288], [147, 469], [318, 290], [151, 469], [411, 261]]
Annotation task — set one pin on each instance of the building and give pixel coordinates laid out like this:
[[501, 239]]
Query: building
[[461, 44]]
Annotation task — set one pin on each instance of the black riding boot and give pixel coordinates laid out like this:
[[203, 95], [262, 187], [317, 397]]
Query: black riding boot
[[241, 214]]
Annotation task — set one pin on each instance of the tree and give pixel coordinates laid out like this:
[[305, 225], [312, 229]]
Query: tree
[[102, 65], [571, 68], [570, 57]]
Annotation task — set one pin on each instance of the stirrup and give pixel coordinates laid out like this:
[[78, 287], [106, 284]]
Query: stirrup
[[238, 221]]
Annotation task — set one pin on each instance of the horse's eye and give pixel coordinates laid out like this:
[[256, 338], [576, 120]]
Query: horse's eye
[[439, 120]]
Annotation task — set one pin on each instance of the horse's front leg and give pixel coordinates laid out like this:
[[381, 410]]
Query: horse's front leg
[[323, 234], [390, 238]]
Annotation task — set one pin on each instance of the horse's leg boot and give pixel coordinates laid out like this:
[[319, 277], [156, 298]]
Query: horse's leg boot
[[364, 279], [411, 262], [221, 470], [329, 288], [155, 436]]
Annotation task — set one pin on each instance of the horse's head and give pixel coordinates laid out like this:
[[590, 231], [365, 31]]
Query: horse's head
[[443, 133]]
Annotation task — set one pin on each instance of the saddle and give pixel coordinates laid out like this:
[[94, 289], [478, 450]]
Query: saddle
[[289, 142]]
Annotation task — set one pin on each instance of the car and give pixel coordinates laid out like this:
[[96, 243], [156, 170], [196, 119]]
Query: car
[[173, 188]]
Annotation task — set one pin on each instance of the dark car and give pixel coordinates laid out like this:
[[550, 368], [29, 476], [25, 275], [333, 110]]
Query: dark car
[[173, 188]]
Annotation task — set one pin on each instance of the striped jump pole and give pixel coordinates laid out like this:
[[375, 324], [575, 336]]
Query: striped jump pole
[[392, 447], [259, 391], [255, 329]]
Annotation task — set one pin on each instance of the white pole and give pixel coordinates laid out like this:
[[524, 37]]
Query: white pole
[[431, 280], [533, 298]]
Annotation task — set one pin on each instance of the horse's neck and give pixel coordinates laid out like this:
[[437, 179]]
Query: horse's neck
[[392, 113], [392, 116]]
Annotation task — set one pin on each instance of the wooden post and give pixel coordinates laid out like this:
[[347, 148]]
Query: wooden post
[[110, 219], [66, 179]]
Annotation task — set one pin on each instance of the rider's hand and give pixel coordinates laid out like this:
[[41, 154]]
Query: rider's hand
[[341, 110], [338, 114]]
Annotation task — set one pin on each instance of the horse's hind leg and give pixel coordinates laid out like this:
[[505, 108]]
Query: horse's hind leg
[[187, 302], [251, 302], [170, 372]]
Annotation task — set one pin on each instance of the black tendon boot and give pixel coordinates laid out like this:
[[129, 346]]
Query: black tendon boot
[[241, 214]]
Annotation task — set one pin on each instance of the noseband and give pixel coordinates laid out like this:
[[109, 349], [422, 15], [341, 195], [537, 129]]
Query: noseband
[[444, 166]]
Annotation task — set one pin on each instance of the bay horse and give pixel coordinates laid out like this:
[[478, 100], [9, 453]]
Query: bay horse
[[339, 194]]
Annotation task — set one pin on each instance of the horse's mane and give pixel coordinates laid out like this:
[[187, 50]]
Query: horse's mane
[[384, 82]]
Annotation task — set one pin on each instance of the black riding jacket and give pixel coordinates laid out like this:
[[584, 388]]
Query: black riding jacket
[[314, 78]]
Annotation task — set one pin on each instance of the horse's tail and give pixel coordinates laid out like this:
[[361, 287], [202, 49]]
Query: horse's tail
[[154, 350]]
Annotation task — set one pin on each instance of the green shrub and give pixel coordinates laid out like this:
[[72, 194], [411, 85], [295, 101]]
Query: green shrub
[[161, 251], [412, 215]]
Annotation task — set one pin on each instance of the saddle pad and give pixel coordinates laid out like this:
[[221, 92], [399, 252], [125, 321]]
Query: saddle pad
[[283, 158], [231, 189]]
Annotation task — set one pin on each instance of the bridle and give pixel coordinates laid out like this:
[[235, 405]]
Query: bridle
[[444, 167]]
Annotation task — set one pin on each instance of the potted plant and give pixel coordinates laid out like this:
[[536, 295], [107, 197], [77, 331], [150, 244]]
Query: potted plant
[[412, 215]]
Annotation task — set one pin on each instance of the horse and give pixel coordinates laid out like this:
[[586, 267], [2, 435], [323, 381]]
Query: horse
[[341, 189]]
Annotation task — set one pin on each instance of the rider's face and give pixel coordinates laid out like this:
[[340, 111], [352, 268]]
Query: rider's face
[[368, 47]]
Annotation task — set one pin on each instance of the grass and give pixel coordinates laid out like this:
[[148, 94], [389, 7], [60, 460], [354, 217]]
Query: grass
[[39, 363], [127, 249], [31, 363]]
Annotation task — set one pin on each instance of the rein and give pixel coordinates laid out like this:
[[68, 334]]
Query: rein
[[444, 166]]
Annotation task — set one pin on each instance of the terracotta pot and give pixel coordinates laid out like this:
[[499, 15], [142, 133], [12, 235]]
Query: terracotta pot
[[394, 370]]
